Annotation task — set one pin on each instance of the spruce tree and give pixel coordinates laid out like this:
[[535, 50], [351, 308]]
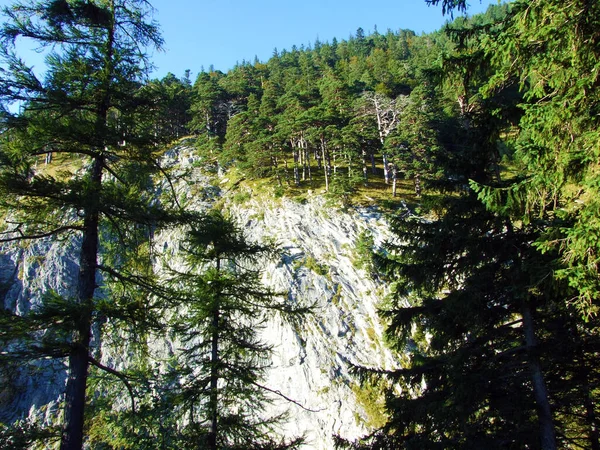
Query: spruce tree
[[471, 303], [552, 51]]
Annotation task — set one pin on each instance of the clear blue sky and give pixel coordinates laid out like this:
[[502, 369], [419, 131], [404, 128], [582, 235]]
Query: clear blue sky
[[200, 33], [222, 32]]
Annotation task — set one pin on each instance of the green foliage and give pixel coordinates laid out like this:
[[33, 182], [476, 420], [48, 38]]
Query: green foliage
[[298, 118], [481, 287], [310, 263], [215, 385], [371, 399], [364, 248], [490, 276], [241, 197], [344, 186], [337, 296], [23, 435], [319, 268], [550, 50], [170, 98], [96, 125]]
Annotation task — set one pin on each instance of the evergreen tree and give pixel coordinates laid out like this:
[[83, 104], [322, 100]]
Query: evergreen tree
[[221, 307], [475, 306], [87, 118], [553, 52], [210, 112], [171, 98]]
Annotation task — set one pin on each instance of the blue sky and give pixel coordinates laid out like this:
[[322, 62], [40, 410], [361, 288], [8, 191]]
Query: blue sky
[[222, 32], [200, 33]]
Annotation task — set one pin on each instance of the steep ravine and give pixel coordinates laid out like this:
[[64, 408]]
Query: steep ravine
[[312, 358]]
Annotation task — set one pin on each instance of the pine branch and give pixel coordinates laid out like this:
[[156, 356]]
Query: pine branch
[[137, 280], [22, 236], [118, 374], [285, 397], [168, 178], [112, 172]]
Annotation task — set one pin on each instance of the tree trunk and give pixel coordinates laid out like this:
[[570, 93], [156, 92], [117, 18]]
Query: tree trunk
[[584, 374], [303, 158], [386, 172], [296, 169], [590, 413], [417, 181], [307, 162], [373, 168], [325, 165], [275, 168], [75, 395], [365, 169], [327, 159], [335, 167], [286, 171], [72, 433], [540, 393], [214, 372], [214, 379]]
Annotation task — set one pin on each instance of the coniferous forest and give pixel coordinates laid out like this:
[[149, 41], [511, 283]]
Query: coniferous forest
[[480, 142]]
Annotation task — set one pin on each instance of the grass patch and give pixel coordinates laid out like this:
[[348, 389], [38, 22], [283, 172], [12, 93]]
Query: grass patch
[[310, 263], [318, 268], [241, 197], [371, 398], [337, 297], [372, 334], [374, 192], [62, 166]]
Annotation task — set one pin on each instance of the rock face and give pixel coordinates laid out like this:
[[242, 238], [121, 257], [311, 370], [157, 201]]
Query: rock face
[[26, 272], [312, 357], [312, 360]]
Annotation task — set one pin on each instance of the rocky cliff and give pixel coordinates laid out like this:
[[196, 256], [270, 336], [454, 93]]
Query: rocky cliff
[[317, 265]]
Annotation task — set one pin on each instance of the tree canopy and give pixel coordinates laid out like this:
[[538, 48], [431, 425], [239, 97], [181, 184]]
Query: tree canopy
[[76, 162]]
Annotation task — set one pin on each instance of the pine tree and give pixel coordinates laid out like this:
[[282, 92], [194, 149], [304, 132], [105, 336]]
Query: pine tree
[[221, 306], [210, 113], [87, 118], [171, 98]]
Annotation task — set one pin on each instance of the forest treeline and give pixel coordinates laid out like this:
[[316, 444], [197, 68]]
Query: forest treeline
[[494, 285], [335, 115]]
